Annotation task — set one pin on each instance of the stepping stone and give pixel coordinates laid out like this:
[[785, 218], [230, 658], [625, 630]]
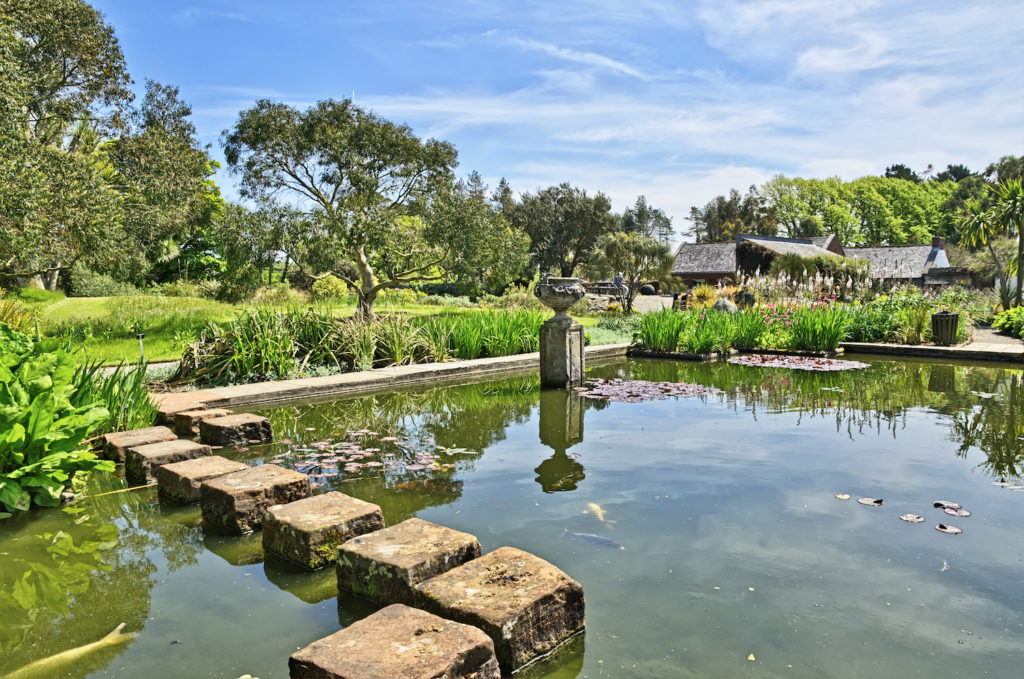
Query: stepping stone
[[116, 444], [141, 462], [398, 641], [233, 429], [187, 422], [178, 482], [235, 503], [386, 565], [168, 408], [526, 605], [309, 531]]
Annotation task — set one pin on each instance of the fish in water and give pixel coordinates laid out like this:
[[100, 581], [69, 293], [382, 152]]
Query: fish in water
[[596, 539], [49, 666], [598, 512]]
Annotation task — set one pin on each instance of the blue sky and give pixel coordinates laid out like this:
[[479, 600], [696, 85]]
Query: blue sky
[[679, 101]]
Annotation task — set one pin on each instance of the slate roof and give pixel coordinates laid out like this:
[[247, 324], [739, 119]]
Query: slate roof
[[705, 258], [788, 246], [901, 261]]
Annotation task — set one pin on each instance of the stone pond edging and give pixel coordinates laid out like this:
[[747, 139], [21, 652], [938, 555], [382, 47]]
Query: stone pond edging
[[975, 351], [379, 379]]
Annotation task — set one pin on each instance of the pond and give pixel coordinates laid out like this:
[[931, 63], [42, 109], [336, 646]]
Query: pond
[[736, 556]]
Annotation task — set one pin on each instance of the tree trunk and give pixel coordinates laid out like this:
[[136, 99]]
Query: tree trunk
[[50, 278], [1020, 262], [367, 286], [284, 274]]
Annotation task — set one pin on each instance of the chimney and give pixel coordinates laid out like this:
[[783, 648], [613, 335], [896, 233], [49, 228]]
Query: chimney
[[939, 242]]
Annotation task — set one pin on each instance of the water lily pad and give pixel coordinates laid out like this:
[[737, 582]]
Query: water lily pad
[[912, 518], [871, 501], [946, 504], [951, 530], [811, 363], [842, 496], [962, 513]]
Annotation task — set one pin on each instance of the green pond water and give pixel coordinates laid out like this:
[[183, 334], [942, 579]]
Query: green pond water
[[733, 542]]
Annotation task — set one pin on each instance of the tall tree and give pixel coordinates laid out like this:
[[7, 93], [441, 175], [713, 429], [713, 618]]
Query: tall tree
[[486, 252], [954, 173], [901, 171], [646, 220], [65, 83], [726, 217], [1004, 218], [564, 225], [362, 180]]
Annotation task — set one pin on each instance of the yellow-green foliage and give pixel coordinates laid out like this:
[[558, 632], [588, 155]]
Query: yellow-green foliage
[[329, 287], [702, 296]]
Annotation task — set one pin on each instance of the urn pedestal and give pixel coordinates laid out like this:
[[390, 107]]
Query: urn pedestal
[[561, 337]]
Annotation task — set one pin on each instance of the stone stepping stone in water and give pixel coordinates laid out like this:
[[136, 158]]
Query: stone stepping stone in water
[[235, 503], [308, 532], [170, 407], [141, 462], [526, 605], [399, 641], [187, 422], [117, 443], [234, 429], [179, 482], [385, 566]]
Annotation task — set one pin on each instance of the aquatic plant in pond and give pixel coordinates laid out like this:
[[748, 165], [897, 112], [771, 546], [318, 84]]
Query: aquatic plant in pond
[[811, 363]]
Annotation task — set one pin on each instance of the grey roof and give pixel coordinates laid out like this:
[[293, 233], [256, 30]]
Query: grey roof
[[705, 258], [789, 246], [901, 261]]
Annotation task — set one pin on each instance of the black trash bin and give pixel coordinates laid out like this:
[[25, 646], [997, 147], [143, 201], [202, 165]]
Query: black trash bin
[[944, 325]]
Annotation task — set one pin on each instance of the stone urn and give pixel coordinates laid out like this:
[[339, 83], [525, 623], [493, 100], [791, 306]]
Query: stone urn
[[559, 294], [561, 338]]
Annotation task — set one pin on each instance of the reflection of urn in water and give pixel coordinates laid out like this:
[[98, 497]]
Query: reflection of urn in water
[[561, 338], [561, 427]]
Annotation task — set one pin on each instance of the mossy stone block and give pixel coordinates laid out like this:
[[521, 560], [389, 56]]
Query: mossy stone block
[[526, 605], [116, 444], [141, 462], [179, 482], [385, 566], [398, 642], [235, 429], [308, 532], [187, 422], [235, 503]]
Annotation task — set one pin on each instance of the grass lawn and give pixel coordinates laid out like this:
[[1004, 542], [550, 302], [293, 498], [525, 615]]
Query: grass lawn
[[104, 328]]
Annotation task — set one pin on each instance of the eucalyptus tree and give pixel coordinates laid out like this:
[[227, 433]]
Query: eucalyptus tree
[[362, 181], [65, 85]]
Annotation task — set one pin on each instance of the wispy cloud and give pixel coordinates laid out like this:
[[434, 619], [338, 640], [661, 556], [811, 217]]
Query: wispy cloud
[[581, 57]]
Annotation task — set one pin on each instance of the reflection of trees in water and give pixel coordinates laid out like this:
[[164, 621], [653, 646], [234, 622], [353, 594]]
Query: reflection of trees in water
[[996, 427], [876, 399], [471, 416], [79, 571]]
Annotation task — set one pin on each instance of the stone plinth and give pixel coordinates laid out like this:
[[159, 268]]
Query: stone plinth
[[235, 503], [386, 565], [232, 429], [187, 422], [308, 532], [561, 352], [116, 444], [178, 482], [141, 462], [526, 605], [398, 642]]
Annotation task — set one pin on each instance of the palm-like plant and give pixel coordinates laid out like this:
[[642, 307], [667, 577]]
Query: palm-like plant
[[980, 227]]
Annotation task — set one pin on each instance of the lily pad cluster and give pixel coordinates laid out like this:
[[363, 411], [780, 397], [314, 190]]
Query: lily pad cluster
[[638, 391], [947, 506], [811, 363], [355, 452]]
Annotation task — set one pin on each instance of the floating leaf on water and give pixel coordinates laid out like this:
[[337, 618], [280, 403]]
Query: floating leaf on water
[[946, 504], [912, 518], [286, 442], [388, 438], [870, 501], [842, 496], [962, 513], [951, 530], [797, 362], [751, 658]]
